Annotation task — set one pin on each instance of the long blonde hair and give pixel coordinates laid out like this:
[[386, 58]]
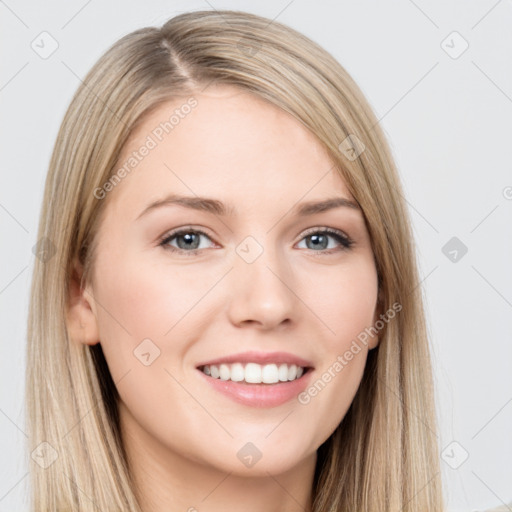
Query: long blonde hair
[[384, 454]]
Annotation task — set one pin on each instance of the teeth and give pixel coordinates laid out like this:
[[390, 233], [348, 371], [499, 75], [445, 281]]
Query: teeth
[[254, 373], [224, 372]]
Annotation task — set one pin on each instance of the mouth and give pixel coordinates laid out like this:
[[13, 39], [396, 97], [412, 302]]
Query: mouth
[[258, 379], [254, 373], [254, 385]]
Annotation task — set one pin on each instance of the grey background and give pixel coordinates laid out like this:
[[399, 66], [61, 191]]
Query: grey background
[[448, 118]]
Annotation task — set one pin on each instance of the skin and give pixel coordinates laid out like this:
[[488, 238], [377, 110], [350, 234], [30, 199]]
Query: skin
[[182, 436]]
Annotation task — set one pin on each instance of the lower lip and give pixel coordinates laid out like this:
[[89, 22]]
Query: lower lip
[[260, 395]]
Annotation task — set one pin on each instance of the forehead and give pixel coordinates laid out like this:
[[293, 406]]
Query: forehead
[[226, 142]]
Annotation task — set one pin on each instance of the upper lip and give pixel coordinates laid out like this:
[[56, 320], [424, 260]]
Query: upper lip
[[260, 358]]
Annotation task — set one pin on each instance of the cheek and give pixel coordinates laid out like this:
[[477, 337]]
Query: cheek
[[130, 307], [343, 298], [145, 332], [137, 301], [346, 306]]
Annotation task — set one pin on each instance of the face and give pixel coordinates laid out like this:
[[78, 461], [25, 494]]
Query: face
[[248, 277]]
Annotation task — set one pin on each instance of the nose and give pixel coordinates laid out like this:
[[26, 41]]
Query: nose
[[263, 292]]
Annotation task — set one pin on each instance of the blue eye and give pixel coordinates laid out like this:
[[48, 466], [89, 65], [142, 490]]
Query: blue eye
[[188, 241], [320, 240]]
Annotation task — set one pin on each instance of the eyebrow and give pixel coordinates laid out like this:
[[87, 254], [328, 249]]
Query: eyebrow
[[217, 207]]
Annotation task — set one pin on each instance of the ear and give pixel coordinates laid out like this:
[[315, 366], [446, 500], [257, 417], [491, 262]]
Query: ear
[[81, 310], [374, 340]]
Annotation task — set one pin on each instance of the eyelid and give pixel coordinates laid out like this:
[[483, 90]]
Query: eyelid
[[325, 229]]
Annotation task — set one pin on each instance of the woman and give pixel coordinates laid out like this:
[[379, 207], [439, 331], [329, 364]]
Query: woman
[[230, 313]]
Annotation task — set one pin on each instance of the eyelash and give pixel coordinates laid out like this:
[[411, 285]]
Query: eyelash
[[345, 242]]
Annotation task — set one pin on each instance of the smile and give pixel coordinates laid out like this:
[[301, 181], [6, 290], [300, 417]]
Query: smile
[[254, 373], [258, 386]]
